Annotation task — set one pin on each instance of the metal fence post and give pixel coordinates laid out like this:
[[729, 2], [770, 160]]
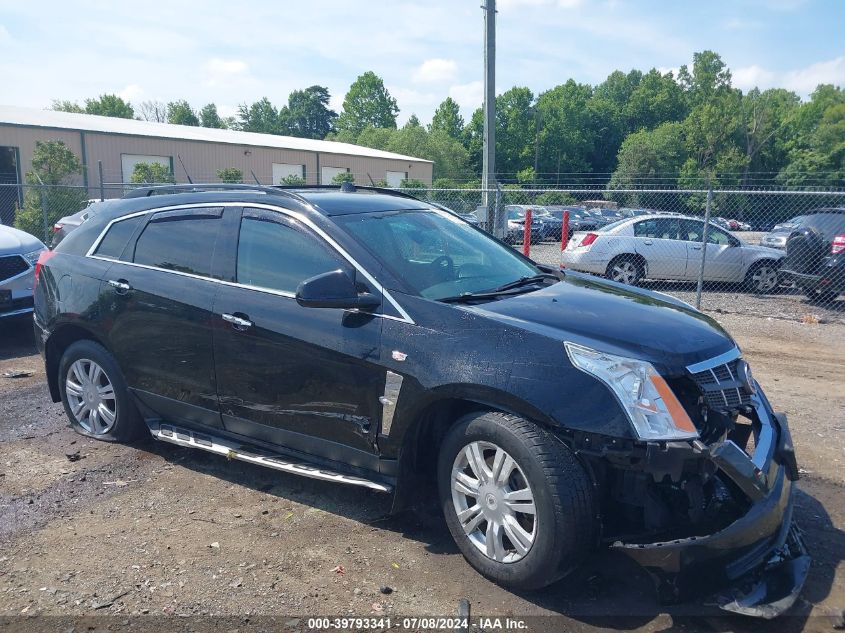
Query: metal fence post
[[45, 213], [703, 247], [102, 187]]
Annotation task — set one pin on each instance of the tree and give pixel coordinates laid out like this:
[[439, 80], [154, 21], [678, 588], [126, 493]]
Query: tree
[[651, 157], [766, 130], [110, 105], [343, 177], [709, 75], [155, 111], [555, 198], [210, 118], [368, 103], [66, 106], [181, 113], [567, 136], [54, 165], [375, 137], [262, 116], [657, 99], [447, 119], [413, 121], [151, 173], [307, 113], [412, 183], [231, 174]]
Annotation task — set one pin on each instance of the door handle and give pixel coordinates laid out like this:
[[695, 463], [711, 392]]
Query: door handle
[[121, 286], [237, 322], [647, 242], [696, 248]]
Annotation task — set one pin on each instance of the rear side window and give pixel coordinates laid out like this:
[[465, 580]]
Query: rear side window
[[828, 225], [180, 242], [278, 256], [117, 237], [658, 228]]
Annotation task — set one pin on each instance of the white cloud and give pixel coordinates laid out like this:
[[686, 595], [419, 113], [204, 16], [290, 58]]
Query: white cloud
[[803, 80], [436, 71], [131, 92], [5, 36], [469, 96], [219, 66]]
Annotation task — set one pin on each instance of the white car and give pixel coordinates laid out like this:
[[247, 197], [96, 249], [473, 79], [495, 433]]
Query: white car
[[669, 247], [19, 252]]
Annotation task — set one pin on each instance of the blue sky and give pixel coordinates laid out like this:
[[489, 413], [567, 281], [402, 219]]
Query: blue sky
[[234, 52]]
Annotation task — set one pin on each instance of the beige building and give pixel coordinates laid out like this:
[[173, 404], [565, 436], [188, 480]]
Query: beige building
[[112, 147]]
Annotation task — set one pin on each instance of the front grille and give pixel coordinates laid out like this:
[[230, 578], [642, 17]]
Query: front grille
[[721, 386], [12, 265]]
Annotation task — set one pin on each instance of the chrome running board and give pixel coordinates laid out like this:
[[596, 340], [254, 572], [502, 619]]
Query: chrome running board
[[233, 450]]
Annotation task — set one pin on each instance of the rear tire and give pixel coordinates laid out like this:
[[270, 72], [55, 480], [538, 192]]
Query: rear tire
[[517, 501], [762, 278], [95, 396], [819, 297], [625, 269]]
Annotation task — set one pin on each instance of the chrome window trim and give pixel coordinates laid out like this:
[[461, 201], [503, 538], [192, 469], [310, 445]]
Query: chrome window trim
[[405, 317], [721, 359]]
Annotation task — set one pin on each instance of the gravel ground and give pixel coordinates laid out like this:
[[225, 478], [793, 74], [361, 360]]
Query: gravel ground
[[99, 529]]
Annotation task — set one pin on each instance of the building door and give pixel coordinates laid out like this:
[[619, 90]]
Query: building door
[[10, 180], [327, 174]]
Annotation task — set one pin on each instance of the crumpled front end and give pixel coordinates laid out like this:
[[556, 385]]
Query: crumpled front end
[[711, 517]]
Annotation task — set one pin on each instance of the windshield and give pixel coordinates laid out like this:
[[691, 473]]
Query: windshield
[[436, 255]]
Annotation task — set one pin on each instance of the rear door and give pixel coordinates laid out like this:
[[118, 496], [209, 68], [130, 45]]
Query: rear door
[[656, 239], [304, 378], [157, 303]]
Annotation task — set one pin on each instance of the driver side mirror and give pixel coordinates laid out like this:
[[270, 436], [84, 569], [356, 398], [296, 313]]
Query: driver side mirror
[[334, 289]]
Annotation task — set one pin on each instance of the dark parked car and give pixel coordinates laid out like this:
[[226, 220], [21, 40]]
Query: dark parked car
[[779, 233], [515, 233], [579, 218], [815, 254], [364, 337], [69, 223]]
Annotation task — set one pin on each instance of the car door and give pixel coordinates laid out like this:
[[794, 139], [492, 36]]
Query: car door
[[724, 258], [157, 303], [304, 378], [656, 239]]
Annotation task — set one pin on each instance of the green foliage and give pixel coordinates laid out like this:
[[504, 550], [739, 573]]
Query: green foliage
[[307, 113], [447, 118], [412, 183], [567, 136], [53, 165], [66, 106], [368, 103], [381, 182], [109, 105], [651, 156], [151, 173], [292, 180], [262, 117], [526, 176], [555, 197], [181, 113], [231, 174], [210, 118], [343, 177]]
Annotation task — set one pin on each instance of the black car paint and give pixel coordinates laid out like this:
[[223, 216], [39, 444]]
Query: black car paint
[[308, 380]]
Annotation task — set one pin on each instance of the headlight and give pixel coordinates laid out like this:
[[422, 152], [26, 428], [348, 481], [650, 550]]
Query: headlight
[[654, 411], [32, 257]]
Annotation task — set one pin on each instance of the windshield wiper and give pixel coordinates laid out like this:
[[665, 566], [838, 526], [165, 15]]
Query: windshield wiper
[[504, 290]]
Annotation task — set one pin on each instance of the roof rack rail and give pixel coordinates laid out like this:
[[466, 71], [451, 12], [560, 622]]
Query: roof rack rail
[[145, 191], [384, 190]]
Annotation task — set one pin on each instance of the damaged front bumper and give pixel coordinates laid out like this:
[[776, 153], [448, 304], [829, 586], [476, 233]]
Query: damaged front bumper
[[757, 564]]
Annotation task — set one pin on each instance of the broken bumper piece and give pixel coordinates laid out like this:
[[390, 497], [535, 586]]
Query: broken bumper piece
[[754, 566]]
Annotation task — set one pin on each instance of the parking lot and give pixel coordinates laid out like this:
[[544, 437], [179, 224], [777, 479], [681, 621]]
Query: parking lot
[[96, 528]]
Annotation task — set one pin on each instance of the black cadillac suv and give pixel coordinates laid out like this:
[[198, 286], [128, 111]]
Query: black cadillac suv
[[815, 254], [365, 337]]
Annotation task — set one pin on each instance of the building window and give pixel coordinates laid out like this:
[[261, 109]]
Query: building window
[[283, 170]]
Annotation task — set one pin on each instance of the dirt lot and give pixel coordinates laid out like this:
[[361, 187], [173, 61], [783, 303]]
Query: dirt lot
[[91, 528]]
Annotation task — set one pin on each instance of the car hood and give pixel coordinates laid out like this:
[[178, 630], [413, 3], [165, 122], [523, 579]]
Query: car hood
[[15, 242], [616, 319], [763, 250]]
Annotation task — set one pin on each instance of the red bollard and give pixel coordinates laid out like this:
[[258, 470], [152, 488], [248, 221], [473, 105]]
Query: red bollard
[[526, 234], [564, 231]]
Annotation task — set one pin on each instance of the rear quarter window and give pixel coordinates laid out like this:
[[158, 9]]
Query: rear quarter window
[[117, 237]]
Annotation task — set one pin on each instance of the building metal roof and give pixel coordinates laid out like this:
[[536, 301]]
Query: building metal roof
[[52, 119]]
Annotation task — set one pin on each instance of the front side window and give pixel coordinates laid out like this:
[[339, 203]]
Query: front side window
[[278, 256], [179, 241], [435, 255]]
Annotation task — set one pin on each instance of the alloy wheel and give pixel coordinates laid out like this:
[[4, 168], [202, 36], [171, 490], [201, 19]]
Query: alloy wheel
[[90, 395], [624, 272], [764, 278], [493, 502]]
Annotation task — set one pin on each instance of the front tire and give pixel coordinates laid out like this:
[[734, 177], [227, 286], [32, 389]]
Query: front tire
[[762, 278], [517, 501], [95, 396]]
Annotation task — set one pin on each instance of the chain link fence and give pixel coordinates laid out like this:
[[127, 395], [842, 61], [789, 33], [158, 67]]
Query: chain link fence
[[722, 250]]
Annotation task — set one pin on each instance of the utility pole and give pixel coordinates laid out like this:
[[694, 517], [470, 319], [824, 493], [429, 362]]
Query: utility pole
[[488, 177]]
